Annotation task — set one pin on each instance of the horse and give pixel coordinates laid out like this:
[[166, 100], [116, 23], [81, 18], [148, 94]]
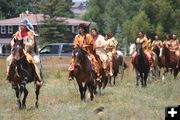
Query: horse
[[156, 62], [119, 65], [155, 70], [83, 73], [100, 84], [169, 60], [21, 73], [141, 65]]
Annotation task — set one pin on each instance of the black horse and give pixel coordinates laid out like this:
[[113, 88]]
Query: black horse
[[141, 65], [22, 72], [83, 73]]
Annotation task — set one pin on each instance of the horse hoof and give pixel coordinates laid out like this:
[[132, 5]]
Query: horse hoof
[[36, 105], [23, 107], [18, 104]]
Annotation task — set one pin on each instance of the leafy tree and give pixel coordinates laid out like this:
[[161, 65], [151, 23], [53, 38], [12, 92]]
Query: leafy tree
[[96, 13], [53, 27], [12, 8], [139, 22]]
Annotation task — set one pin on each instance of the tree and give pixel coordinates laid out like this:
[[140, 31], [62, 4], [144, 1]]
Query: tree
[[139, 22], [53, 27], [12, 8], [95, 13]]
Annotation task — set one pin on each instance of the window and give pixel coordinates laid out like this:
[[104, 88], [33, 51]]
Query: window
[[75, 29], [3, 29], [67, 49], [10, 29], [50, 49]]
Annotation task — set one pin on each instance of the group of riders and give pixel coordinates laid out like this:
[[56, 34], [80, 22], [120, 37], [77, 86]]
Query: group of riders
[[96, 46], [172, 43], [93, 44]]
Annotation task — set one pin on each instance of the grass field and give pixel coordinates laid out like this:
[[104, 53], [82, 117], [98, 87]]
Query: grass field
[[59, 98]]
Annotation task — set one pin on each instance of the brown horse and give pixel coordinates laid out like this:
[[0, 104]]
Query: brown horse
[[119, 65], [22, 72], [169, 60], [83, 73]]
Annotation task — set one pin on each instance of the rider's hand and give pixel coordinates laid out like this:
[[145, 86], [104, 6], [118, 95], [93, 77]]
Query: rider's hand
[[85, 45]]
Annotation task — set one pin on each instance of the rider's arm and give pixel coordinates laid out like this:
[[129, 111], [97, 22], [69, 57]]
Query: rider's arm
[[29, 43], [75, 43]]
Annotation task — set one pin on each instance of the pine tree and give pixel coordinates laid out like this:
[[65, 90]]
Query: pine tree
[[53, 27]]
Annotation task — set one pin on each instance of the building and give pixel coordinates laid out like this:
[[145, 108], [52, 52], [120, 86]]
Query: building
[[79, 8], [9, 26]]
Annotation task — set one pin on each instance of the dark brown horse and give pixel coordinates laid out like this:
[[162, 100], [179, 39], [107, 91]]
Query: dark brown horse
[[141, 65], [83, 73], [119, 65], [22, 72], [170, 61]]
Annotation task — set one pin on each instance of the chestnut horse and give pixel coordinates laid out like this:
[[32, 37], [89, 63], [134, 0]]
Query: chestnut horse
[[83, 73], [22, 72], [169, 60]]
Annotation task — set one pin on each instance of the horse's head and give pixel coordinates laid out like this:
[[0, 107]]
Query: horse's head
[[17, 49], [139, 48], [79, 56], [132, 48]]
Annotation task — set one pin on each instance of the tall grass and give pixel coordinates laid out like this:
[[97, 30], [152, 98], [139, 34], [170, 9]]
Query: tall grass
[[60, 100]]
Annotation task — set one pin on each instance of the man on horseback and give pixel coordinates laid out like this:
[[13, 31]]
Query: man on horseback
[[145, 44], [27, 35], [174, 47], [167, 41], [86, 42], [99, 47], [111, 45], [157, 42]]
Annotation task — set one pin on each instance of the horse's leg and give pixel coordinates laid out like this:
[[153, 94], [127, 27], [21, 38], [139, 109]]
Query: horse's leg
[[110, 78], [175, 73], [105, 81], [18, 102], [164, 72], [24, 99], [145, 78], [95, 86], [91, 88], [37, 95], [114, 82], [137, 77], [84, 92], [81, 91], [142, 79]]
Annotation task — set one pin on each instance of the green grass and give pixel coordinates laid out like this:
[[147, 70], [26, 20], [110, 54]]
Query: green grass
[[59, 99]]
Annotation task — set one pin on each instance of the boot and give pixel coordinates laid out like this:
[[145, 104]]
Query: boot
[[71, 76]]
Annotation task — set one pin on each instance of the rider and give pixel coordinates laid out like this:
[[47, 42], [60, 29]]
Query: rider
[[145, 44], [167, 41], [99, 47], [26, 34], [175, 46], [86, 42], [111, 45], [157, 42]]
